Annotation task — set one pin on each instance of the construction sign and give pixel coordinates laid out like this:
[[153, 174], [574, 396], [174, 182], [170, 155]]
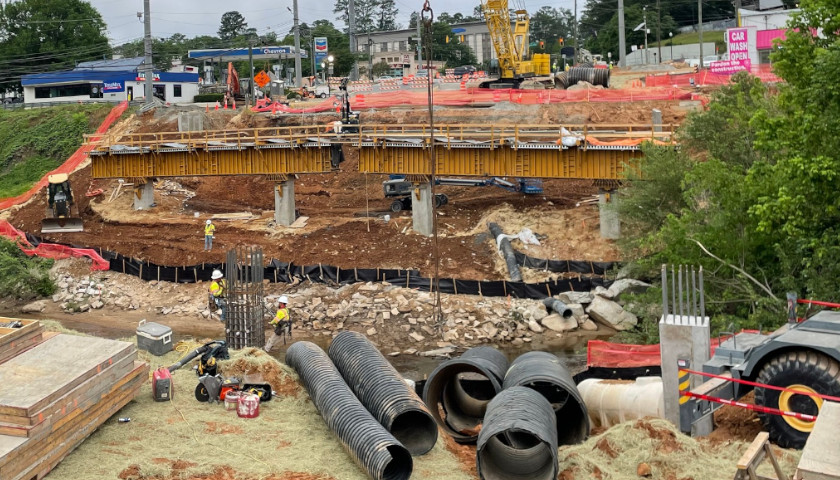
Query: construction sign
[[262, 79]]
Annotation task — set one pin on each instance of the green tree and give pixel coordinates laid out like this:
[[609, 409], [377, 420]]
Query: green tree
[[550, 24], [454, 53], [367, 19], [232, 25], [47, 35], [386, 15]]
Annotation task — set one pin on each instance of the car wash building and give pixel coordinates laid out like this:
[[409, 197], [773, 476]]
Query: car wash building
[[109, 80]]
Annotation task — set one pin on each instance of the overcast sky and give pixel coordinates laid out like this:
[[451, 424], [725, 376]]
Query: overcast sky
[[201, 17]]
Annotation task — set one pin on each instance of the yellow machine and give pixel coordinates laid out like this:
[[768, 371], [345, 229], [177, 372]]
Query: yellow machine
[[511, 45], [60, 205]]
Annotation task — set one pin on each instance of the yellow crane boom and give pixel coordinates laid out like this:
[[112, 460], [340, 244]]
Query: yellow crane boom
[[509, 41]]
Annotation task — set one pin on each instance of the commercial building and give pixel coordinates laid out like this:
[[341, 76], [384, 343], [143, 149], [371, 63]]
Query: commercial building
[[768, 25], [110, 80]]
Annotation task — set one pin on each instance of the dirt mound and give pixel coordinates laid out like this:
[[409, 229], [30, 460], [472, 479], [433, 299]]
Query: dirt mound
[[617, 453]]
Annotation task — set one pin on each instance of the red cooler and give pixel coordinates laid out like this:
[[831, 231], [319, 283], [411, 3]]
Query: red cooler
[[248, 405]]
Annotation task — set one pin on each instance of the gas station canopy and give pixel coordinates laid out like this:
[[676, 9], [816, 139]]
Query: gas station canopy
[[259, 53]]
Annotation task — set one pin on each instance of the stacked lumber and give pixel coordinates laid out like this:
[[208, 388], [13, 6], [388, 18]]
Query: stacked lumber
[[56, 394], [15, 340]]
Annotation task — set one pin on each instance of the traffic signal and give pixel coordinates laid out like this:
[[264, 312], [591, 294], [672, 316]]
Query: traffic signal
[[542, 44], [560, 41], [461, 38], [447, 39]]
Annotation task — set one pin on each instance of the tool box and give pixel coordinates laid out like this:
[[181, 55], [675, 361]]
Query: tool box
[[154, 338]]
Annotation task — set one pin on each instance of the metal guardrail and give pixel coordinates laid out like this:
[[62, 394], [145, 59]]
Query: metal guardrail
[[272, 137], [23, 106]]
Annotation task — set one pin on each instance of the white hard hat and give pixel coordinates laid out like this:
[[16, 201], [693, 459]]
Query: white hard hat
[[208, 222], [283, 299], [217, 274]]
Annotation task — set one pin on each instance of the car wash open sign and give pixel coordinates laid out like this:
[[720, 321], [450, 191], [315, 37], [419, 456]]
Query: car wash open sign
[[113, 87]]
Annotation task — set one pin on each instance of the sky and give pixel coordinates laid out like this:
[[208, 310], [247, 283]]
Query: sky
[[201, 17]]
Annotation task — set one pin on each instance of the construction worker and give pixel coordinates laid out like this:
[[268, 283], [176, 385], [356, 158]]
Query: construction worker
[[281, 322], [218, 292], [209, 230]]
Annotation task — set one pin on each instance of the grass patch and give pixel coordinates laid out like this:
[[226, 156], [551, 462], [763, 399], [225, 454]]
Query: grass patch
[[694, 37], [187, 439], [38, 140], [21, 276]]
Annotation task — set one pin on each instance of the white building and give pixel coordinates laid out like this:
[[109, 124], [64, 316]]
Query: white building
[[111, 80]]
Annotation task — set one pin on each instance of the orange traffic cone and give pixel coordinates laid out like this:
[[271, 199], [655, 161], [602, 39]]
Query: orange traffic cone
[[234, 104], [225, 105], [217, 105], [206, 108]]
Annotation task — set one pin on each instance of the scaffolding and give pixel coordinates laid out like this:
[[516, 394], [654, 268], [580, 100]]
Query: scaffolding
[[245, 308]]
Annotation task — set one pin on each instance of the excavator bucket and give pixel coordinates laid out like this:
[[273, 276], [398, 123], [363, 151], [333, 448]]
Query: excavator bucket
[[62, 225]]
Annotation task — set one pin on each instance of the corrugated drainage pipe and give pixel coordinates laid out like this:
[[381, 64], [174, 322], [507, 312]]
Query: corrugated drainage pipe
[[382, 390], [518, 439], [507, 252], [376, 450], [594, 76], [458, 390], [545, 373], [611, 402], [559, 307]]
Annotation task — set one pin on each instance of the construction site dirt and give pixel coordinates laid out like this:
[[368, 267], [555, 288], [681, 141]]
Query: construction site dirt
[[346, 209]]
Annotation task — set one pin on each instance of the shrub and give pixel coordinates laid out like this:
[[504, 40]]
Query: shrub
[[22, 276]]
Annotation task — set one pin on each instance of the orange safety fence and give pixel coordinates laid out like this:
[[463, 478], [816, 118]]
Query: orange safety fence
[[705, 77], [472, 96], [51, 250], [71, 163], [624, 355], [627, 142]]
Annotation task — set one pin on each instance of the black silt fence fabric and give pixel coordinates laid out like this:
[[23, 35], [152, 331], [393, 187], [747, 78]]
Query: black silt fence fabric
[[563, 266]]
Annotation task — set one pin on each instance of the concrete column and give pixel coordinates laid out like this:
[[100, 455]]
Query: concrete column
[[657, 120], [190, 121], [422, 209], [608, 211], [144, 195], [284, 203], [683, 337]]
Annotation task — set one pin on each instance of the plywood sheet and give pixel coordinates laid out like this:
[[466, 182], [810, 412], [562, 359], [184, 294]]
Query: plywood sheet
[[821, 455]]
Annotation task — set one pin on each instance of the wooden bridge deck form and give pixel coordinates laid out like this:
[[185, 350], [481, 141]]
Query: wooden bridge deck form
[[463, 150]]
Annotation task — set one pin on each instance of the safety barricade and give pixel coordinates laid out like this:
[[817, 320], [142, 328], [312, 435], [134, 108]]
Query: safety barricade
[[705, 77]]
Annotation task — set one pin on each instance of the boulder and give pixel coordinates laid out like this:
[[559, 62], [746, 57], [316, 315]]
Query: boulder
[[440, 352], [534, 326], [559, 324], [517, 342], [603, 293], [611, 314], [416, 337], [575, 297], [34, 307], [627, 285], [589, 325], [370, 332], [577, 311]]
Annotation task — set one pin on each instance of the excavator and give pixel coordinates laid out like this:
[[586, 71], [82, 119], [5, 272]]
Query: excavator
[[61, 205]]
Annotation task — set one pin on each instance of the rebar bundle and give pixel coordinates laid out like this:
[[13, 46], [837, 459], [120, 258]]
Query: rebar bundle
[[245, 309]]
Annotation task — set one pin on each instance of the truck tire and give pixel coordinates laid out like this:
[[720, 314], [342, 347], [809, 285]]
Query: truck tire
[[804, 370], [396, 206]]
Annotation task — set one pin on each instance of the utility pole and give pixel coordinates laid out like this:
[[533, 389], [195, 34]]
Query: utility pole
[[576, 35], [251, 70], [622, 48], [644, 19], [658, 33], [700, 30], [354, 50], [148, 66], [419, 41], [298, 82]]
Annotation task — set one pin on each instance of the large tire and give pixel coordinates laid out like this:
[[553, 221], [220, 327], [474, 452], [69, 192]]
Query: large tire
[[396, 206], [804, 370]]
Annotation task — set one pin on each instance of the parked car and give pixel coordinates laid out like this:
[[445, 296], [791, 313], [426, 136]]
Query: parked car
[[10, 100], [385, 78], [421, 73], [463, 70]]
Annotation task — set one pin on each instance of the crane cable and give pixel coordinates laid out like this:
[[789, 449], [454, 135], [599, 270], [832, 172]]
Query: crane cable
[[427, 16]]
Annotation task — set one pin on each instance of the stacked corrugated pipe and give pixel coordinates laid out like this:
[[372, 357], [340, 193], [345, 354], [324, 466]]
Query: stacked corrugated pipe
[[594, 76], [384, 392], [458, 391], [373, 447]]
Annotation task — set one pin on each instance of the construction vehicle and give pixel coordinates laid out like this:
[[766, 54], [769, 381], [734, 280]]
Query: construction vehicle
[[60, 207], [398, 186], [799, 357], [349, 118], [511, 45]]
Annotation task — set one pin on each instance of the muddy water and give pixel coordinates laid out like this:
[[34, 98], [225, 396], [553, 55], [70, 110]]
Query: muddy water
[[571, 348]]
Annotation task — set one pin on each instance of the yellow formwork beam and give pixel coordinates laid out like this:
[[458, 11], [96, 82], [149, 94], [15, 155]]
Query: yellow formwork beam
[[247, 161], [499, 162]]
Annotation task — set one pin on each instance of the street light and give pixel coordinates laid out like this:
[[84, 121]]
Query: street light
[[671, 35], [323, 71], [330, 60]]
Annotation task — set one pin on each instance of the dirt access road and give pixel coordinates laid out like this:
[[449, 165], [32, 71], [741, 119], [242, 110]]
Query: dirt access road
[[345, 208]]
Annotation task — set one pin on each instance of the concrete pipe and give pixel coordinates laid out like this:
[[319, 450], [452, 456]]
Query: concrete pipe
[[611, 402], [373, 448], [545, 373], [558, 307], [384, 392], [507, 252], [518, 439], [458, 390]]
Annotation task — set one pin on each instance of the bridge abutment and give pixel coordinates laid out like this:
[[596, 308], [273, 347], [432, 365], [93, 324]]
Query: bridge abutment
[[608, 213], [144, 195], [422, 209], [284, 203]]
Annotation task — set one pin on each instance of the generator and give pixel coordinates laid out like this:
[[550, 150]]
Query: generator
[[162, 385]]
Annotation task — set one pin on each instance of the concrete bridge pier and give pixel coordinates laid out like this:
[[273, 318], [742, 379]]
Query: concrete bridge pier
[[608, 213], [422, 209], [144, 195], [284, 202]]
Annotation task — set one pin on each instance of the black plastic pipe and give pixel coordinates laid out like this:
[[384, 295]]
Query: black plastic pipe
[[458, 390], [384, 393], [559, 307], [518, 439], [546, 374], [376, 450], [594, 76], [507, 252]]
